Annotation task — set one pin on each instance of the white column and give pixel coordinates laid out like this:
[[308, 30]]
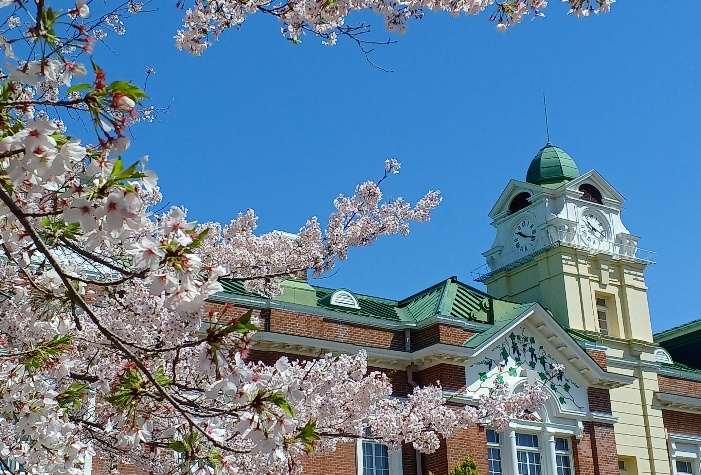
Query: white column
[[550, 458], [511, 449]]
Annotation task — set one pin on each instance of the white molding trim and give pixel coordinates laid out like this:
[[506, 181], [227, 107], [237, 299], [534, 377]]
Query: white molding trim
[[678, 403], [624, 363]]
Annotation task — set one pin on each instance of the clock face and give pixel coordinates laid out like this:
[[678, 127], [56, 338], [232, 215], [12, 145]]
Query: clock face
[[592, 229], [524, 236]]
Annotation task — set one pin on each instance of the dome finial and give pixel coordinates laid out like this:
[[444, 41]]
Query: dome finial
[[545, 106], [551, 167]]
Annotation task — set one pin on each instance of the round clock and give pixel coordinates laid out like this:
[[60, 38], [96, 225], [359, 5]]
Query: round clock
[[592, 229], [524, 236]]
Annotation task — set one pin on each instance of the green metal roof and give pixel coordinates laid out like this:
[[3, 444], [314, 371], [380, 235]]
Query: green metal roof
[[682, 343], [449, 298], [504, 314], [551, 167], [580, 337], [680, 367], [679, 334]]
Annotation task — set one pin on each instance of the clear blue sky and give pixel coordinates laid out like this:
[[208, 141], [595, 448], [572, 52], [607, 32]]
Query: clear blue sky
[[258, 122]]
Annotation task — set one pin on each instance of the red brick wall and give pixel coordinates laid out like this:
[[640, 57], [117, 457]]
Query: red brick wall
[[598, 443], [599, 357], [99, 467], [471, 441], [454, 335], [323, 329], [683, 387], [438, 333], [599, 400], [340, 462], [400, 386], [409, 459], [451, 377], [437, 462], [682, 422]]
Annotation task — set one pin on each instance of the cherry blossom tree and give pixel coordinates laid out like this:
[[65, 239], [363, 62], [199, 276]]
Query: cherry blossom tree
[[327, 19], [105, 344]]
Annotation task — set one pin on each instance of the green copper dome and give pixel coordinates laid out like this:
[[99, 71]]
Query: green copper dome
[[551, 167]]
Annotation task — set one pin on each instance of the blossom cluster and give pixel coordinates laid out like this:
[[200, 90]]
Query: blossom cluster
[[105, 343], [207, 19]]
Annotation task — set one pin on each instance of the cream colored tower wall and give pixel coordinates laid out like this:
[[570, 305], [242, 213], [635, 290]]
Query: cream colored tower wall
[[568, 281], [640, 432]]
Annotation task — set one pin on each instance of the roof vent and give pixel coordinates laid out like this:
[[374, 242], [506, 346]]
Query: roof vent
[[343, 298], [661, 356]]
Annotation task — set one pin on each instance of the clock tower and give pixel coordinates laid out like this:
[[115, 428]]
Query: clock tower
[[560, 241]]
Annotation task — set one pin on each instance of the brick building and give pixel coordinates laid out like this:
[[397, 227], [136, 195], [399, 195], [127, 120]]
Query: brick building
[[565, 285]]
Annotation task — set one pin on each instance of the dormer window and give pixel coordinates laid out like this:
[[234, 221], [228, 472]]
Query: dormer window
[[343, 298], [591, 194], [519, 202]]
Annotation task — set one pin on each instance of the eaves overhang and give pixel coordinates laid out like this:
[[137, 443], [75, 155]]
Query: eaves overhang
[[678, 402]]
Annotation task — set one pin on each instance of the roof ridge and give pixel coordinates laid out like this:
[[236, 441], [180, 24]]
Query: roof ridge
[[407, 300], [675, 329]]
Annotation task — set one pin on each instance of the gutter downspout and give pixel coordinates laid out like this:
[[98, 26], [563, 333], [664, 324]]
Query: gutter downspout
[[410, 380]]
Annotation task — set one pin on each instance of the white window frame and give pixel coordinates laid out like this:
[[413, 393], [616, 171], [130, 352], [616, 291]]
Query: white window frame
[[602, 309], [547, 448], [494, 446], [684, 448], [394, 457], [684, 460], [536, 451], [567, 454]]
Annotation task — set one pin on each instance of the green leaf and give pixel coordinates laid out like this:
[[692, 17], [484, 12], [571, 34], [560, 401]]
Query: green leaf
[[566, 387], [562, 400], [127, 88], [72, 396], [278, 399], [197, 241], [512, 372], [542, 376], [117, 169], [78, 87], [178, 446], [483, 376]]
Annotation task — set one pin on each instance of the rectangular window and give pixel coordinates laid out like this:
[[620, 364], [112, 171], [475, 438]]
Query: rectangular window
[[375, 459], [602, 315], [493, 452], [563, 456], [12, 465], [684, 467], [528, 454]]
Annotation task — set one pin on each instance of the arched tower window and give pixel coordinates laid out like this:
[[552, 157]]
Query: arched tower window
[[590, 193], [519, 202]]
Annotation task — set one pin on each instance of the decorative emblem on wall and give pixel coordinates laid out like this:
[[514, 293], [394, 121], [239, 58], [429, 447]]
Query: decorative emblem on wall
[[520, 351]]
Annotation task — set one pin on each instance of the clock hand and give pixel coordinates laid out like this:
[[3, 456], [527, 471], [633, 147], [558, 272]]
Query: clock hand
[[532, 238], [600, 233]]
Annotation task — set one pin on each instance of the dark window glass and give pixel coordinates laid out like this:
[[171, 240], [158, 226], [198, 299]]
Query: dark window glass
[[519, 202], [590, 193]]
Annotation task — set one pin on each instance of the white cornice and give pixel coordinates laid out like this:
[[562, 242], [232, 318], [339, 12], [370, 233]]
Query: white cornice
[[678, 403], [624, 363]]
